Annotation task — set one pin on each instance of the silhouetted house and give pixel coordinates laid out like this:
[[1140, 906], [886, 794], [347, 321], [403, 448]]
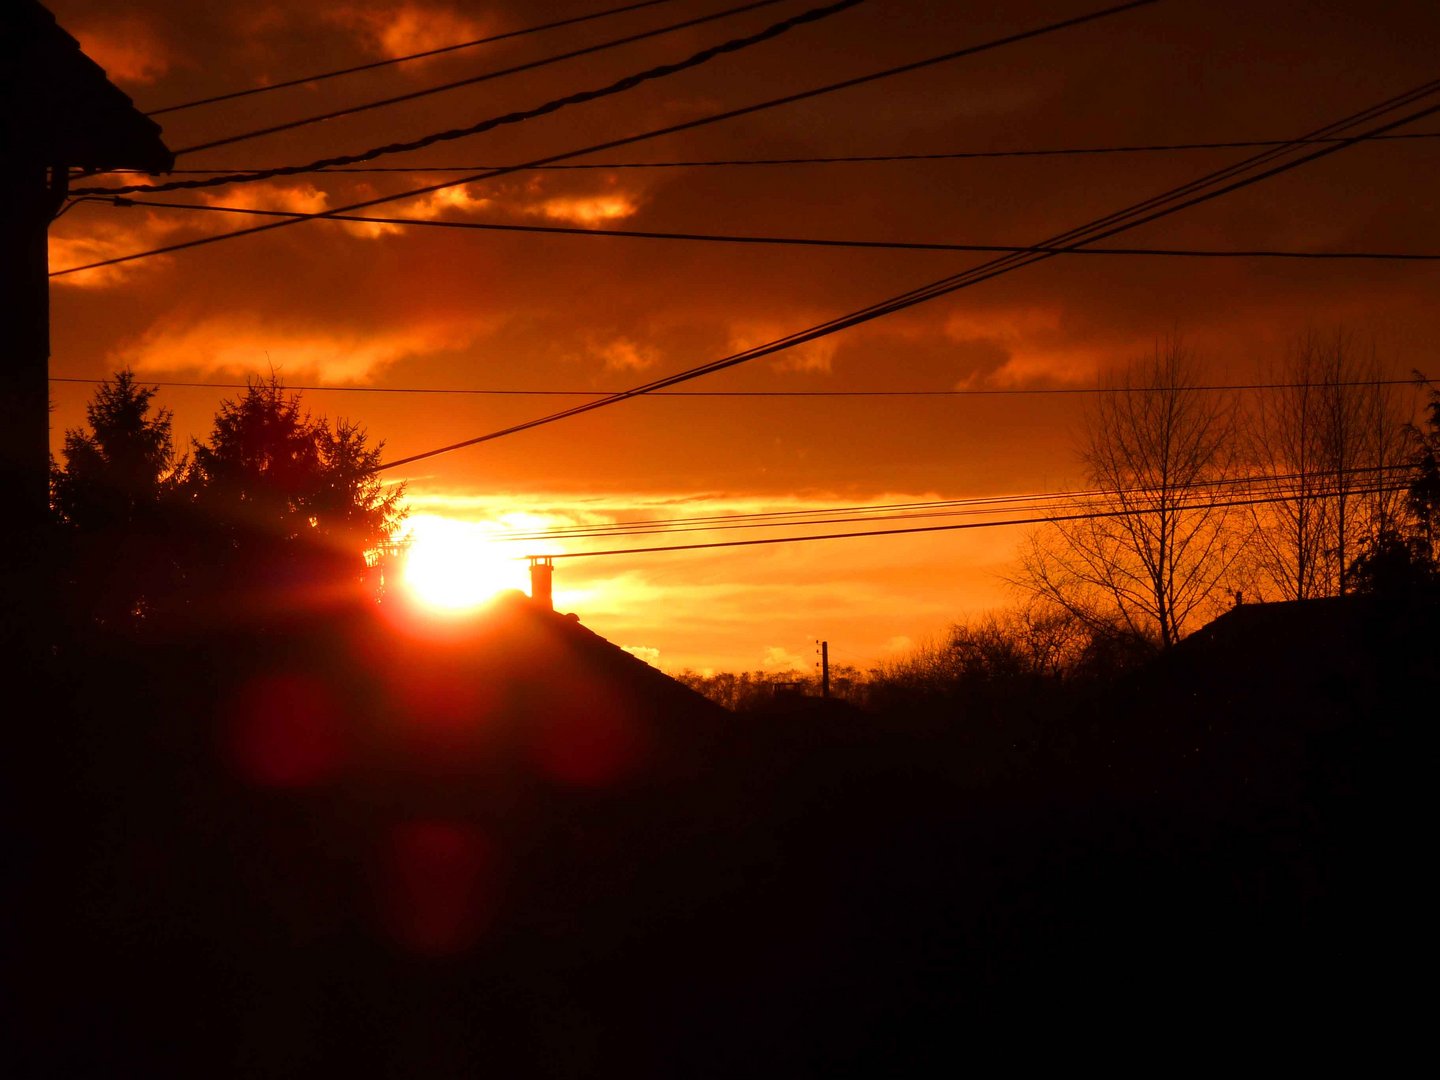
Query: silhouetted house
[[1288, 696], [515, 695], [1343, 657], [58, 112]]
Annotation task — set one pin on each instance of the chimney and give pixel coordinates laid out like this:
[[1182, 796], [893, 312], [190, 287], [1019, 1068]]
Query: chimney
[[542, 569]]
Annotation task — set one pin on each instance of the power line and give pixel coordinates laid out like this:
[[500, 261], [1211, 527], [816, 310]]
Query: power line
[[772, 517], [978, 505], [954, 527], [612, 144], [970, 392], [581, 97], [949, 507], [788, 518], [322, 76], [1210, 186], [851, 159], [1036, 506], [473, 80], [797, 241]]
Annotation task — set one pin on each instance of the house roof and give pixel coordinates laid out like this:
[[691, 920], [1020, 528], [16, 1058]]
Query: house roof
[[1270, 675], [58, 108], [523, 684]]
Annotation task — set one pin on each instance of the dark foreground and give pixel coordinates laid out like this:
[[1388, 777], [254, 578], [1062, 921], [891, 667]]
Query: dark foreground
[[331, 848]]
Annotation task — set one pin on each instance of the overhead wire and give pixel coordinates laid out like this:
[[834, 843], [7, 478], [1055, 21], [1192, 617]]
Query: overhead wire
[[1018, 391], [778, 517], [1049, 519], [785, 518], [611, 144], [846, 159], [1205, 188], [977, 505], [473, 80], [393, 60], [789, 241], [581, 97]]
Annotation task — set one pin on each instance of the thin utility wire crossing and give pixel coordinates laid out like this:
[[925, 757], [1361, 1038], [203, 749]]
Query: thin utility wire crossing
[[393, 60], [1205, 188], [474, 80], [612, 144], [854, 159], [794, 241]]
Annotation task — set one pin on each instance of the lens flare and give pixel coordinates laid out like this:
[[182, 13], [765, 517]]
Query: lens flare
[[285, 731], [437, 885]]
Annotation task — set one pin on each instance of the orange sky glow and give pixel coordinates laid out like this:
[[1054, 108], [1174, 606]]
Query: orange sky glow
[[550, 318]]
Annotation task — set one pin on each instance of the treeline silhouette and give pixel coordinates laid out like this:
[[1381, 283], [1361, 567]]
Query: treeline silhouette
[[276, 506], [1311, 487], [268, 828]]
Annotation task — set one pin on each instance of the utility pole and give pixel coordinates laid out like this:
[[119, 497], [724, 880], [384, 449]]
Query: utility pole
[[30, 193], [58, 112], [824, 651]]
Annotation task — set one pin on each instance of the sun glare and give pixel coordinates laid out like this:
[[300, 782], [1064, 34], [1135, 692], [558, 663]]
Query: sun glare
[[454, 566]]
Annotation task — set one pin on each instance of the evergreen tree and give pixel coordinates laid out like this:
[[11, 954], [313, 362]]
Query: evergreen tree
[[1404, 558], [282, 497], [115, 497], [274, 498], [118, 472], [1424, 497]]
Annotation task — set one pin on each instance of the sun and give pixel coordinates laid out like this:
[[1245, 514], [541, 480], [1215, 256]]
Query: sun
[[455, 566]]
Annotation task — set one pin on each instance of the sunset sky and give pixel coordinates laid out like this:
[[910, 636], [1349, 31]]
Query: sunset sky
[[361, 307]]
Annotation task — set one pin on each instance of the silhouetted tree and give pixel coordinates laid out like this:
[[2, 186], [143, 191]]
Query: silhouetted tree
[[749, 691], [1404, 556], [1151, 552], [1033, 642], [1327, 441], [274, 498], [1394, 564], [119, 471], [116, 495], [1423, 503], [1006, 660], [282, 497]]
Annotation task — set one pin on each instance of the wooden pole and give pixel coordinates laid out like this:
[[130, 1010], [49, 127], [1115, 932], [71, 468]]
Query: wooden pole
[[27, 202]]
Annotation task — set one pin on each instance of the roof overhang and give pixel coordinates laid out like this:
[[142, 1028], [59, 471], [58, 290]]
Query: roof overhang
[[58, 108]]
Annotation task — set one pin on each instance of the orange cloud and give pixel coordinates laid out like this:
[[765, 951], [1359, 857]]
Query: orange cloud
[[299, 198], [410, 28], [812, 357], [95, 234], [459, 198], [127, 47], [525, 199], [647, 653], [76, 242], [624, 354], [1037, 347], [248, 345], [304, 198], [587, 210], [779, 658]]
